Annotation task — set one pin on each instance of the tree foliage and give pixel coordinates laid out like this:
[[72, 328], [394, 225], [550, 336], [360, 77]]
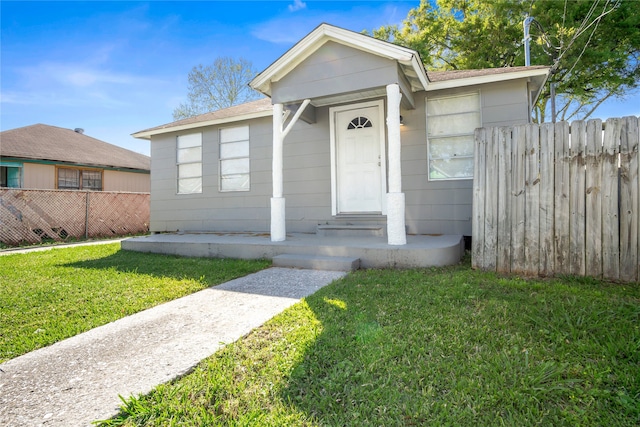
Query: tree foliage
[[593, 46], [222, 84]]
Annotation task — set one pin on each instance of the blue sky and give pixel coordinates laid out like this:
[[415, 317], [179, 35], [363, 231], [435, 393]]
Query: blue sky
[[114, 68]]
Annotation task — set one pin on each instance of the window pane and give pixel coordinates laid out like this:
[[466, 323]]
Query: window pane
[[451, 168], [193, 154], [234, 149], [190, 185], [239, 133], [443, 148], [234, 159], [451, 122], [454, 124], [68, 178], [92, 180], [228, 167], [12, 177], [192, 140], [453, 104], [190, 170], [234, 182]]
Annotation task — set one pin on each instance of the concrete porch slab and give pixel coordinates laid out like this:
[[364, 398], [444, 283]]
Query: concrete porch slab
[[317, 262], [374, 252]]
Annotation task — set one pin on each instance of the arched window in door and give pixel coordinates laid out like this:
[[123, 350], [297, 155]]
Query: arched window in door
[[359, 123]]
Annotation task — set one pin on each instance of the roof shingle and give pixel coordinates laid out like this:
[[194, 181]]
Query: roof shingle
[[263, 104], [44, 142], [439, 76]]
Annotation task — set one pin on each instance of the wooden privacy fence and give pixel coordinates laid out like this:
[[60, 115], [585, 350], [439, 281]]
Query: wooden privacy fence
[[558, 199], [33, 216]]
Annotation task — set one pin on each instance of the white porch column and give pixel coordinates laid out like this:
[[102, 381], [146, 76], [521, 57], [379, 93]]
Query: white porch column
[[278, 224], [396, 232], [278, 229]]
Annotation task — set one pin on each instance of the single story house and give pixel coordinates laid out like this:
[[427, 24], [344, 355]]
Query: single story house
[[353, 132], [48, 157]]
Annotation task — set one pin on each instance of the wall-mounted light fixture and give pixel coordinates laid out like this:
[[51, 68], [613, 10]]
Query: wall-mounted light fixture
[[401, 121]]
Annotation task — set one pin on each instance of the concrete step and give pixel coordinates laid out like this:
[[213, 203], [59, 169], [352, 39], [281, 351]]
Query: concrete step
[[317, 262], [351, 230]]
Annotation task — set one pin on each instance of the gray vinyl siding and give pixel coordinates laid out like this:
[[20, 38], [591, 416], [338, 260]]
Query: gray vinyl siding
[[432, 207], [445, 207], [307, 174], [505, 104], [211, 210], [307, 182], [334, 69]]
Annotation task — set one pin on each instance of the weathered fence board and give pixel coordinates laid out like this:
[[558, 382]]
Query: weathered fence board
[[593, 202], [491, 203], [629, 203], [610, 173], [577, 198], [479, 184], [561, 200], [503, 262], [532, 200], [547, 198], [558, 199], [518, 205]]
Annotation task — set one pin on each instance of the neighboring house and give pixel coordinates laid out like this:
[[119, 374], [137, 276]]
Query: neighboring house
[[48, 157], [379, 141]]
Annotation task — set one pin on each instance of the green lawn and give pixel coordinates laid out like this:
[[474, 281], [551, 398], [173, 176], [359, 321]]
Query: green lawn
[[447, 346], [51, 295]]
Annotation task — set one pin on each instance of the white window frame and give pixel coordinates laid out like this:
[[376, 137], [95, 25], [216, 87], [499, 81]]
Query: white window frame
[[192, 162], [239, 136], [452, 135]]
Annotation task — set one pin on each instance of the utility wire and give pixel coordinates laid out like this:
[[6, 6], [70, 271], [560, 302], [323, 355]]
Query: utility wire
[[584, 27]]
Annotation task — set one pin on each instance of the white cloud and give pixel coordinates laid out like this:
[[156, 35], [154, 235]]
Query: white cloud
[[62, 99], [75, 84], [76, 75], [297, 5]]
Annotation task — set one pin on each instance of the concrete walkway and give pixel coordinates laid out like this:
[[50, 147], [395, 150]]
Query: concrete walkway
[[78, 380]]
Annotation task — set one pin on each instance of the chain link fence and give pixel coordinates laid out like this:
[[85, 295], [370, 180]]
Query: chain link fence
[[35, 216]]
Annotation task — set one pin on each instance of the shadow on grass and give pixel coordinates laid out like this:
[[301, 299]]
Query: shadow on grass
[[456, 347], [444, 346], [208, 271]]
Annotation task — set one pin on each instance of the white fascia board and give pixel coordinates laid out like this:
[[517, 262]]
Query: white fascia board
[[420, 71], [249, 116], [539, 91], [490, 78], [369, 44]]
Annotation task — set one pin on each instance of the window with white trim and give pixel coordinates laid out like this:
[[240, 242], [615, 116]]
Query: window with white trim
[[451, 122], [189, 163], [235, 165]]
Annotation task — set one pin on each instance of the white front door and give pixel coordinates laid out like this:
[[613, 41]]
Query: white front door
[[359, 160]]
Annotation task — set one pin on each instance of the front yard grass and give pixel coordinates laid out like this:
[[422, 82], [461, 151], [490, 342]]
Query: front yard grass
[[51, 295], [442, 346]]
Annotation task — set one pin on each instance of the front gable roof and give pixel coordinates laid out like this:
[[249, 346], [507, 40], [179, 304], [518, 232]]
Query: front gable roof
[[55, 144], [408, 59]]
